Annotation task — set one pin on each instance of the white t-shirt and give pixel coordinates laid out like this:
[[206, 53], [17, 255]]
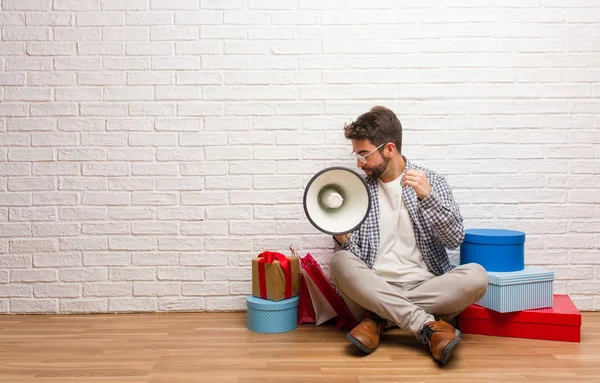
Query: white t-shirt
[[398, 257]]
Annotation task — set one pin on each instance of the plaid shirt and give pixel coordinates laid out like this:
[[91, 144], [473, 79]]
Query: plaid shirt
[[436, 220]]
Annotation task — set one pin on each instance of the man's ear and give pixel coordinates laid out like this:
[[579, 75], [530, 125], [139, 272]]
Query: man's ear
[[390, 148]]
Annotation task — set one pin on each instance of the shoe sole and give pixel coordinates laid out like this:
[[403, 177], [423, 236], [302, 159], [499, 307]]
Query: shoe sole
[[359, 345], [449, 350]]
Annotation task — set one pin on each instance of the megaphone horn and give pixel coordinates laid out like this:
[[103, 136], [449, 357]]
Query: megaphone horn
[[336, 200]]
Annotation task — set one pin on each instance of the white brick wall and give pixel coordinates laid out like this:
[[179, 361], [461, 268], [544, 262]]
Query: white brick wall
[[150, 148]]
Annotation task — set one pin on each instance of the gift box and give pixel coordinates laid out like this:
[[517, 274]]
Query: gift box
[[268, 317], [494, 249], [275, 277], [527, 289], [560, 322]]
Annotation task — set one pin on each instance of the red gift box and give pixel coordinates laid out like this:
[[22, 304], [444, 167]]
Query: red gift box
[[561, 322]]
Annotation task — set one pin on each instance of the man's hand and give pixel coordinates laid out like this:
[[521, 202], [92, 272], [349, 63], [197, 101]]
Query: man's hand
[[342, 238], [417, 180]]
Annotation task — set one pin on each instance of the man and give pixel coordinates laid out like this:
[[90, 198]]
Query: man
[[394, 268]]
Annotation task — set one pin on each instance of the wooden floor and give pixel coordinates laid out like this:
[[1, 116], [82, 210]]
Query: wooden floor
[[217, 347]]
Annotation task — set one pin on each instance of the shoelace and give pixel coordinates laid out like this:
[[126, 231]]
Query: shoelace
[[428, 331]]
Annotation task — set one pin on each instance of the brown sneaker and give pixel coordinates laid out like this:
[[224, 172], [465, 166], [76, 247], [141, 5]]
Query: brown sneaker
[[366, 334], [442, 339]]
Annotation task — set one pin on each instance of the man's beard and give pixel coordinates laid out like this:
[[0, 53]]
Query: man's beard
[[377, 171]]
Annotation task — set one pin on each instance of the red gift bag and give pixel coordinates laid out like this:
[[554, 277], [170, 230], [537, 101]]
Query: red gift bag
[[344, 318], [306, 312]]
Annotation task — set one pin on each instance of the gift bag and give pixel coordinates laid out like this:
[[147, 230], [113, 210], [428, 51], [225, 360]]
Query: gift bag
[[323, 310], [306, 312], [316, 276]]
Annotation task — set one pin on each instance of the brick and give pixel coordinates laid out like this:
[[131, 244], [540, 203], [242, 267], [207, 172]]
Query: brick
[[100, 48], [155, 228], [204, 198], [112, 289], [152, 48], [130, 5], [255, 167], [104, 109], [56, 229], [182, 304], [15, 230], [131, 183], [105, 169], [82, 213], [30, 184], [83, 306], [128, 243], [177, 93], [180, 274], [180, 183], [131, 213], [81, 154], [180, 213], [54, 139], [83, 243], [15, 199], [57, 291], [229, 212], [129, 125], [131, 304], [26, 5], [228, 274], [180, 244], [147, 18], [126, 64], [15, 169], [199, 47], [80, 125], [204, 228], [153, 198], [76, 34], [177, 33], [166, 169], [156, 289], [105, 228], [104, 139], [88, 274], [128, 93], [204, 288], [61, 259], [252, 197], [133, 274], [78, 94], [25, 214], [179, 154], [150, 259], [233, 303], [54, 198], [33, 306], [100, 19], [46, 48], [152, 109]]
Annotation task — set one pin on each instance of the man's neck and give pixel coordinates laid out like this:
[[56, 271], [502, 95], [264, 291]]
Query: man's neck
[[394, 169]]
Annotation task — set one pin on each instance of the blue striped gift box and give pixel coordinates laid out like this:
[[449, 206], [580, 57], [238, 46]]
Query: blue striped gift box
[[527, 289]]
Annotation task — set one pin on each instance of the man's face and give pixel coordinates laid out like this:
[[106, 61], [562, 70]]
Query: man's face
[[376, 163]]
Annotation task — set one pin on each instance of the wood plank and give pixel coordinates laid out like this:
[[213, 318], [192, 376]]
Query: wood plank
[[217, 347]]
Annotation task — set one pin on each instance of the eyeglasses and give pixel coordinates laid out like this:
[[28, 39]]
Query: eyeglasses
[[363, 159]]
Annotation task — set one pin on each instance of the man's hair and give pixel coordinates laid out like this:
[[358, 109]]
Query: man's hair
[[379, 125]]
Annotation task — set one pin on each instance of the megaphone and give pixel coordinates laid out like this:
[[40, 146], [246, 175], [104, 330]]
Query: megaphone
[[336, 200]]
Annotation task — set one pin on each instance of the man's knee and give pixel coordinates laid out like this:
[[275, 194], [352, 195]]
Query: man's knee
[[478, 278], [338, 262]]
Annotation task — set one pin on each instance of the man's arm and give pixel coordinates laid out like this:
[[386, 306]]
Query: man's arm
[[347, 242], [442, 213]]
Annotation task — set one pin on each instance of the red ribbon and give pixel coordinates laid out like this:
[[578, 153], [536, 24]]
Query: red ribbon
[[268, 257]]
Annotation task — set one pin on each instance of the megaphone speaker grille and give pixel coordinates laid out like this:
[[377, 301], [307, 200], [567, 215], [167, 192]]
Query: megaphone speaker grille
[[336, 200]]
